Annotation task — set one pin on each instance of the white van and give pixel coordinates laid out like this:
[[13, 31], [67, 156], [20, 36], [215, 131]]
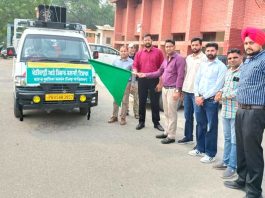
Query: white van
[[51, 69]]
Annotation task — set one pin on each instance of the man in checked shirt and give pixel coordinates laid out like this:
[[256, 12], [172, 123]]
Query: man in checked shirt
[[229, 108]]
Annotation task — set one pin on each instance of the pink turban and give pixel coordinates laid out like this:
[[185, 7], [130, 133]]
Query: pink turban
[[255, 34]]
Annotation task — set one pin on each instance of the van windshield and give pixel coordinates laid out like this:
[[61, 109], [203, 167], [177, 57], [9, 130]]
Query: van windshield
[[54, 48]]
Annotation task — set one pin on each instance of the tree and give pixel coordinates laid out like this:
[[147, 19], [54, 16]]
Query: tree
[[90, 13], [93, 12]]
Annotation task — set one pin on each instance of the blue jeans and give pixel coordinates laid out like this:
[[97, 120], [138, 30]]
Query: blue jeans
[[189, 106], [229, 157], [207, 127]]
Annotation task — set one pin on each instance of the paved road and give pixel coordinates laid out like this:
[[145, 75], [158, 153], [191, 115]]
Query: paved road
[[62, 155]]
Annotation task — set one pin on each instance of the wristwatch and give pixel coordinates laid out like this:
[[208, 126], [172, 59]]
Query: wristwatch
[[177, 90]]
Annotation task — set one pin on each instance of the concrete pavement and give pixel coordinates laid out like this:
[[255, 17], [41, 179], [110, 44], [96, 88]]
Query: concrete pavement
[[62, 155]]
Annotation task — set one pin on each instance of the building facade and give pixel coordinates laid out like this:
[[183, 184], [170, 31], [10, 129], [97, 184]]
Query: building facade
[[101, 35], [218, 21]]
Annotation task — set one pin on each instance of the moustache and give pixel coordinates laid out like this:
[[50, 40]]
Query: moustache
[[147, 44]]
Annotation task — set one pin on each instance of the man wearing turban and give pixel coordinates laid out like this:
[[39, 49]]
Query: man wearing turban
[[250, 116]]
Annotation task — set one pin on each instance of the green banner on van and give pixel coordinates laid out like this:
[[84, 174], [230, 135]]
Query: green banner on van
[[41, 72]]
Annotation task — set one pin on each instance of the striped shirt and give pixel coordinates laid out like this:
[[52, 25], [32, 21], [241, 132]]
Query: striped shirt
[[229, 103], [251, 87]]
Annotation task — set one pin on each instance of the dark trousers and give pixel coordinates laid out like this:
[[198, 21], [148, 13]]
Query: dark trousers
[[146, 85], [189, 106], [249, 126], [207, 127]]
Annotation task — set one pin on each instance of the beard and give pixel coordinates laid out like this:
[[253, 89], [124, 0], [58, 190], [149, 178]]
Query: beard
[[211, 57], [148, 45], [252, 53], [196, 51]]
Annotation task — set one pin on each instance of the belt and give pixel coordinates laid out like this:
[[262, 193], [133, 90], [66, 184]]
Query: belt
[[211, 98], [169, 87], [244, 106]]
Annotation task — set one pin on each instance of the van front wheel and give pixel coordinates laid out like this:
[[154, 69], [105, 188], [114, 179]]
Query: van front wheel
[[83, 111], [18, 111]]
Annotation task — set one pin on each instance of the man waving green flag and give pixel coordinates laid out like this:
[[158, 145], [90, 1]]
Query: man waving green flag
[[114, 78]]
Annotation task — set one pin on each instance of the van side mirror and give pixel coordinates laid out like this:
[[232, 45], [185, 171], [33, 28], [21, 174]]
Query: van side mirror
[[95, 54], [11, 52]]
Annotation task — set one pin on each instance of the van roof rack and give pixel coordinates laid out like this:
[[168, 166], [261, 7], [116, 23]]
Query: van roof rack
[[57, 25]]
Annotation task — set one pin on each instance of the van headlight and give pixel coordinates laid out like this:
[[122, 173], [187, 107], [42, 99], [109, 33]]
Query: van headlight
[[20, 81]]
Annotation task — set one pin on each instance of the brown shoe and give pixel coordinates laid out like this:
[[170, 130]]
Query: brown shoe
[[123, 121], [113, 119]]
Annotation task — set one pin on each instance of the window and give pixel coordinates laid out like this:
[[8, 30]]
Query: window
[[209, 36], [178, 36], [107, 50], [220, 36], [213, 36], [57, 48], [92, 35], [108, 40], [155, 37], [122, 3], [96, 48]]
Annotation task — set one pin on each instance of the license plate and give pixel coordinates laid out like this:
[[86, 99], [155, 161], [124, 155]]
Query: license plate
[[59, 97]]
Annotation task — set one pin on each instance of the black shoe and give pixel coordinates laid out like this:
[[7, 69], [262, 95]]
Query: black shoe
[[140, 126], [159, 127], [247, 196], [161, 136], [185, 141], [234, 185], [167, 141]]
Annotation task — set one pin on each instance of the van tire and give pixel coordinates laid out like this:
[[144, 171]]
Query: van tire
[[18, 111], [83, 110]]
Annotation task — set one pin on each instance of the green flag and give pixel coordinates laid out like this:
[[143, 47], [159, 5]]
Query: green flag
[[114, 78]]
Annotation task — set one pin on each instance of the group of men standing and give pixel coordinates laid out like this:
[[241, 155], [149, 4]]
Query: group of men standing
[[204, 81]]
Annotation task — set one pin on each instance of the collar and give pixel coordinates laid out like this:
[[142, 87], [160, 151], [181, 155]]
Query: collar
[[124, 59], [151, 49], [257, 55], [237, 69], [198, 55], [214, 61], [173, 56]]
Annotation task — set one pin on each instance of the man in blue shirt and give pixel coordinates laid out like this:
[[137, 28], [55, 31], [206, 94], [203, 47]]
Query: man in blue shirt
[[123, 62], [250, 116], [208, 81]]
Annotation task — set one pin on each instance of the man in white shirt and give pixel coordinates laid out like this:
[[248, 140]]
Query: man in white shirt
[[193, 62]]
